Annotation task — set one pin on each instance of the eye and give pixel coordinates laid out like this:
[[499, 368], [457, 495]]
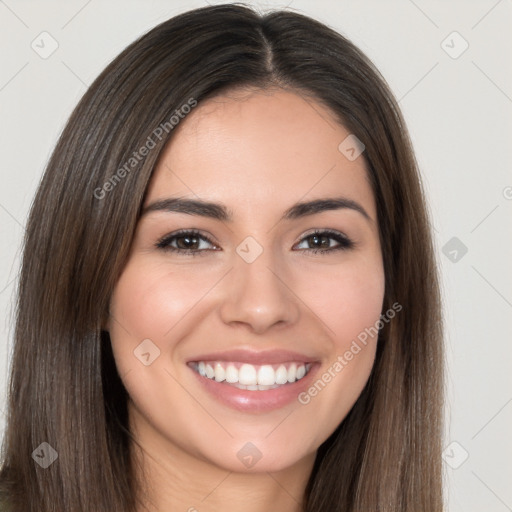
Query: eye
[[322, 241], [186, 242], [189, 242]]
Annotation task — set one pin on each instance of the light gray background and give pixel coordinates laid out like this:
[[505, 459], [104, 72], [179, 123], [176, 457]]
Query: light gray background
[[459, 114]]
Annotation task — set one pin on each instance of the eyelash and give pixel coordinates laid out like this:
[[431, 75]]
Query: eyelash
[[164, 243]]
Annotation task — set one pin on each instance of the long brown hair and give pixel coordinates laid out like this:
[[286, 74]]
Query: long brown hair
[[64, 389]]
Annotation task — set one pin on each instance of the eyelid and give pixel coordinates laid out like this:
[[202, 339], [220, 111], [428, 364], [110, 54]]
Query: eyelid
[[323, 231]]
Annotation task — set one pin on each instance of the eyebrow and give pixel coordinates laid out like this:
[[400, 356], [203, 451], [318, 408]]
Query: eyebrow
[[218, 211]]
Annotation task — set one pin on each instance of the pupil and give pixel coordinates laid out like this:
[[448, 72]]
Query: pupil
[[316, 238], [188, 240]]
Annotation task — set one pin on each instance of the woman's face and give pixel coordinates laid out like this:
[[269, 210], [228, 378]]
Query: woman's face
[[248, 301]]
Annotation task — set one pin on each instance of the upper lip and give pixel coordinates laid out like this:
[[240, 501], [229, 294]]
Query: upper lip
[[255, 357]]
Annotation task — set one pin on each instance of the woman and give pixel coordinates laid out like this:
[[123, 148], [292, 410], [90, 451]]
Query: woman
[[228, 296]]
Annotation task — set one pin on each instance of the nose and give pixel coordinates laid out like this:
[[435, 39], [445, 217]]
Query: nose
[[259, 295]]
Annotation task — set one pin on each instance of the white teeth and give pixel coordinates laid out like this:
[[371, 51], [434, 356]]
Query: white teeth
[[210, 373], [282, 375], [220, 373], [292, 372], [266, 375], [258, 387], [248, 376], [231, 374]]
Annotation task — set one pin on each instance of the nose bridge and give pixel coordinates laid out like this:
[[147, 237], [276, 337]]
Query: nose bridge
[[257, 293]]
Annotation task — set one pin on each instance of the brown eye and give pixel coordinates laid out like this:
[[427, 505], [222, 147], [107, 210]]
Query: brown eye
[[321, 241], [185, 242]]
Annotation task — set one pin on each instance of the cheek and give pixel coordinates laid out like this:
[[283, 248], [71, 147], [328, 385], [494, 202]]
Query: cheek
[[149, 301], [348, 298], [355, 304], [350, 305]]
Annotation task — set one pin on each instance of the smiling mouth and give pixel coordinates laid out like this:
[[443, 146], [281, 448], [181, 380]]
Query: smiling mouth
[[252, 377]]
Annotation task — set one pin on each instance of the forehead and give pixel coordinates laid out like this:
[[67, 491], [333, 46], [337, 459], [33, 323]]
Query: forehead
[[255, 150]]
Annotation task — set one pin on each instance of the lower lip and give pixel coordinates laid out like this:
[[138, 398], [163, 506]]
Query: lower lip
[[257, 401]]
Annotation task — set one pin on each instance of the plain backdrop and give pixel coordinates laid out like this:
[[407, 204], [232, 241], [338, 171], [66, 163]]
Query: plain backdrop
[[448, 63]]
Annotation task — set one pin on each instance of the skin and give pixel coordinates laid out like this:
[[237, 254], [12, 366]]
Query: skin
[[258, 152]]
